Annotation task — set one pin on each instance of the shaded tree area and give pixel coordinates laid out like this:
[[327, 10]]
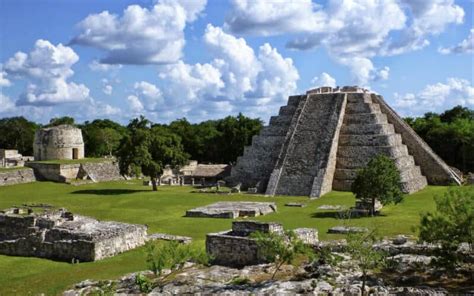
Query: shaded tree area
[[148, 149], [55, 121], [17, 133], [450, 134], [102, 137], [217, 141]]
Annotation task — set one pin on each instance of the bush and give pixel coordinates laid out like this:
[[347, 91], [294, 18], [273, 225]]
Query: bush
[[379, 180], [450, 225], [281, 249]]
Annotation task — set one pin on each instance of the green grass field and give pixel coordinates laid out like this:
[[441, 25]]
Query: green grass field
[[163, 211]]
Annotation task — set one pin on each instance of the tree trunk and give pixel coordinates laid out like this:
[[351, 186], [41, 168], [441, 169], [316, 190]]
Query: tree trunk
[[373, 206], [153, 182], [362, 292]]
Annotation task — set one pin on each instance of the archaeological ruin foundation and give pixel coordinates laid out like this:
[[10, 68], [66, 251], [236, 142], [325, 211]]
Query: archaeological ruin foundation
[[232, 210], [320, 139], [58, 142], [237, 248], [60, 235]]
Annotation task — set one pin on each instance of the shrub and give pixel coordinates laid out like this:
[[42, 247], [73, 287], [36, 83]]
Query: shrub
[[379, 180], [450, 225], [281, 249]]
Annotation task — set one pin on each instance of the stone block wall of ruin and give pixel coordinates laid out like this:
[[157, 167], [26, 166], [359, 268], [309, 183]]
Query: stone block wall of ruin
[[17, 176]]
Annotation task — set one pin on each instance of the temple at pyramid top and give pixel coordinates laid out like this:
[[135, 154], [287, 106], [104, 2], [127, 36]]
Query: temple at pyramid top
[[320, 139]]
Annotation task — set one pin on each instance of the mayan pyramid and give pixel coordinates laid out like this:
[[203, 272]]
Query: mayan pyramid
[[320, 139]]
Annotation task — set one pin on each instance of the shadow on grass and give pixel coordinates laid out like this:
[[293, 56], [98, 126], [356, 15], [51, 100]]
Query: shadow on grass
[[108, 191], [341, 215]]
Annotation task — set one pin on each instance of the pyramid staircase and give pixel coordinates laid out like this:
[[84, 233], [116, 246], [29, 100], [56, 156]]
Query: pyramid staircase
[[366, 133]]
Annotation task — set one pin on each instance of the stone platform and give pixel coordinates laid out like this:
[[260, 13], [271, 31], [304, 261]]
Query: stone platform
[[60, 235], [231, 210]]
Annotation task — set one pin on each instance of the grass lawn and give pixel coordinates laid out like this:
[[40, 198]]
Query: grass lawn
[[163, 211], [12, 169]]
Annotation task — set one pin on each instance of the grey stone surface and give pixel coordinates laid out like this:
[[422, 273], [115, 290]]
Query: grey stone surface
[[346, 229], [331, 207], [319, 141], [295, 205], [17, 176], [227, 209], [107, 170], [58, 142], [170, 237], [60, 235]]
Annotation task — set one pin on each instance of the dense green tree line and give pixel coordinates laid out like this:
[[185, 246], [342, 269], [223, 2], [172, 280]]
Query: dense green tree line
[[450, 135], [216, 141]]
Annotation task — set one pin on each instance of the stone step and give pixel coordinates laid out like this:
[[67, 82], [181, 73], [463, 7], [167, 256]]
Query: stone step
[[359, 97], [294, 100], [408, 186], [406, 174], [367, 129], [287, 110], [355, 163], [370, 140], [260, 140], [280, 120], [365, 118], [414, 185], [274, 130], [362, 107], [368, 152]]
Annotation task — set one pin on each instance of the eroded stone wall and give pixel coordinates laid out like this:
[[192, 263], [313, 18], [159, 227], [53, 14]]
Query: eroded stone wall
[[17, 176], [59, 142], [100, 171]]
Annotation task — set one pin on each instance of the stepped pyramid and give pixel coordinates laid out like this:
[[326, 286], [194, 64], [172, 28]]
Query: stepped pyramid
[[319, 140]]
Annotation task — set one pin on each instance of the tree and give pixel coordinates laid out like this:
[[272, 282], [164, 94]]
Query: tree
[[451, 224], [379, 180], [102, 136], [55, 121], [17, 133], [360, 247], [280, 248], [149, 149]]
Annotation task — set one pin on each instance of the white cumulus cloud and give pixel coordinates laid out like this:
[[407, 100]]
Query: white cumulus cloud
[[140, 35], [47, 68], [324, 80], [436, 97], [107, 89]]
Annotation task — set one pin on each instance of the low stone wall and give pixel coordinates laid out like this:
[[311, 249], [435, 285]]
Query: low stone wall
[[19, 176], [106, 170]]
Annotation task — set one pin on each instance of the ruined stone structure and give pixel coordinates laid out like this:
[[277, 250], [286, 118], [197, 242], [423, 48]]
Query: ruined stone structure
[[58, 142], [11, 158], [232, 210], [319, 140], [61, 235], [195, 173], [236, 248], [17, 176]]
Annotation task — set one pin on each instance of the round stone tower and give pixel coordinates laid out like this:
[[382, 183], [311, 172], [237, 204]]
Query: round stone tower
[[58, 142]]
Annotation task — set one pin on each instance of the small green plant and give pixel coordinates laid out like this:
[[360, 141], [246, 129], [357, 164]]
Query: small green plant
[[379, 180], [172, 255], [450, 225], [281, 249], [144, 283], [239, 281], [359, 246]]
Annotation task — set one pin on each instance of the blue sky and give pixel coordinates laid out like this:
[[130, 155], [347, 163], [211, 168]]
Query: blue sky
[[203, 59]]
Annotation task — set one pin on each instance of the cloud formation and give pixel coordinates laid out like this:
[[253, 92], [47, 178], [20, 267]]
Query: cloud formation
[[46, 68], [352, 31], [436, 97], [324, 80], [140, 35], [237, 78], [465, 46]]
